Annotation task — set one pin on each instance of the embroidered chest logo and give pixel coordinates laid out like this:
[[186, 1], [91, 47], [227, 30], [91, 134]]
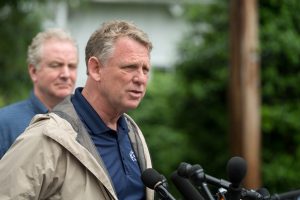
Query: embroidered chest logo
[[132, 156]]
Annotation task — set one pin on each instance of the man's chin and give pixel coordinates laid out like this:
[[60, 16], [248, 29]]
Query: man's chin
[[132, 106], [63, 93]]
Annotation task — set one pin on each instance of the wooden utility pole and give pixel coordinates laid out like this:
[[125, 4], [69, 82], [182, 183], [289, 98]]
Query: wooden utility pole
[[244, 91]]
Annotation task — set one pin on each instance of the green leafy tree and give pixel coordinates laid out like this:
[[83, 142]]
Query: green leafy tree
[[203, 73], [19, 23], [280, 61]]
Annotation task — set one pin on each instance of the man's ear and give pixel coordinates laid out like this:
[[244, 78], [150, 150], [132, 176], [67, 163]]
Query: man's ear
[[32, 72], [94, 66]]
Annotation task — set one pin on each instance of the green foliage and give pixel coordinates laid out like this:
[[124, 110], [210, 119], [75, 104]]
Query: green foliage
[[280, 47], [19, 23], [203, 73]]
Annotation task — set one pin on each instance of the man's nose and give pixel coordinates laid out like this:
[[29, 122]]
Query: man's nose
[[65, 71], [140, 76]]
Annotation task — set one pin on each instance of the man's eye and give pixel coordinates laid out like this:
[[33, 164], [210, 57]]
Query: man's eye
[[73, 66], [146, 70], [129, 67], [54, 65]]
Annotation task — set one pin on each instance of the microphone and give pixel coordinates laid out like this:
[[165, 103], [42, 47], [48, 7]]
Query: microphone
[[236, 171], [188, 191], [197, 175], [236, 168], [155, 181]]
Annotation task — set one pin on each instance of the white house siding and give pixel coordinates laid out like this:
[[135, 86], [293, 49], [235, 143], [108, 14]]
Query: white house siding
[[164, 28]]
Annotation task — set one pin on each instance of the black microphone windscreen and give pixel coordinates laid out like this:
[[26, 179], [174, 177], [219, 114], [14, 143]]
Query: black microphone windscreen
[[188, 191], [183, 169], [187, 170], [236, 170], [151, 177]]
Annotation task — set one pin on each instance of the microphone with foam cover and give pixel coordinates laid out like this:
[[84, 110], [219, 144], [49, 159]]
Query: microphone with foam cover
[[155, 181], [184, 186], [236, 171]]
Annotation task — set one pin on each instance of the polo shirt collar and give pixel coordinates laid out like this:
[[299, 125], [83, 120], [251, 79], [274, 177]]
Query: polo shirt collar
[[38, 106]]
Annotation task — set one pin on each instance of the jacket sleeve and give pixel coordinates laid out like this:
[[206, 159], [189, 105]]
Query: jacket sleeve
[[30, 167]]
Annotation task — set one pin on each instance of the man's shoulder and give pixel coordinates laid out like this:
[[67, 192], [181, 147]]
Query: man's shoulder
[[13, 109]]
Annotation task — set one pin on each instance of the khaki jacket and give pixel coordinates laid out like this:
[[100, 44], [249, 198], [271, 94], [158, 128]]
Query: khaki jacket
[[55, 159]]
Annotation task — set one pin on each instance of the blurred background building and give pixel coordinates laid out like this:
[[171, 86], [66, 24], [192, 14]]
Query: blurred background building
[[161, 19]]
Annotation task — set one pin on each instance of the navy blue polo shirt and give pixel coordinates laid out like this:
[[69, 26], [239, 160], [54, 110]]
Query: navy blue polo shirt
[[115, 149]]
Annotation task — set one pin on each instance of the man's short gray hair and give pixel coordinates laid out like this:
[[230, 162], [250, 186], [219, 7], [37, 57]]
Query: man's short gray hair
[[101, 42], [34, 49]]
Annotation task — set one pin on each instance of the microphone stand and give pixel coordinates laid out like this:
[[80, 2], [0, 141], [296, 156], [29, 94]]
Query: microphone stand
[[234, 193], [207, 191]]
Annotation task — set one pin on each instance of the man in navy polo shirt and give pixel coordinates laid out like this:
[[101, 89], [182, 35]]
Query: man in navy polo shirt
[[88, 147]]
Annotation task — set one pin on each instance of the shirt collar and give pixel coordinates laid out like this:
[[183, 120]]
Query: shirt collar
[[38, 106]]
